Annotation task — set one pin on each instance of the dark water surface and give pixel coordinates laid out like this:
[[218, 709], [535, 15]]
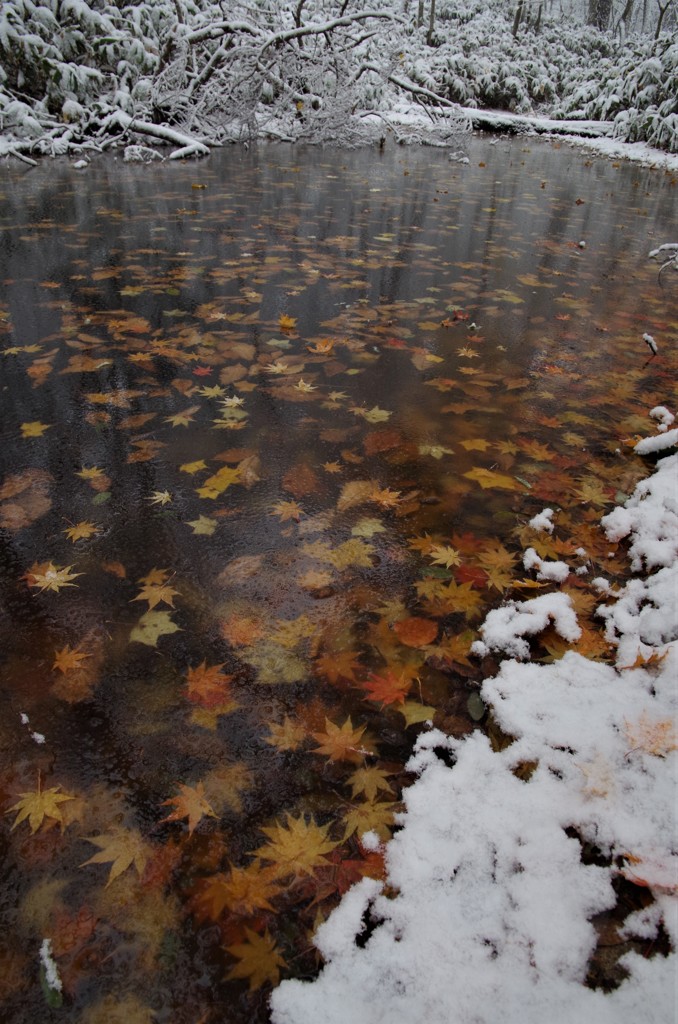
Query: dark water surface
[[273, 426]]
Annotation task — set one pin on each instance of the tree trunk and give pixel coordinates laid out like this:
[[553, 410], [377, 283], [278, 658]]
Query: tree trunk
[[431, 23], [662, 11], [518, 18], [420, 14], [599, 13]]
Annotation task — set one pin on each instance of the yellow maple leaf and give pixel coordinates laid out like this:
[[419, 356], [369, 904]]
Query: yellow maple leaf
[[287, 735], [121, 848], [371, 816], [182, 419], [155, 576], [260, 959], [81, 531], [443, 554], [203, 526], [190, 803], [34, 429], [373, 415], [157, 593], [219, 481], [476, 444], [413, 712], [193, 467], [287, 510], [351, 552], [488, 478], [296, 848], [342, 743], [48, 576], [36, 806], [369, 780], [287, 323]]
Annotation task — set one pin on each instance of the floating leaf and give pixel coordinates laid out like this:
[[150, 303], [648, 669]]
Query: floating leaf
[[151, 627], [41, 804], [488, 478]]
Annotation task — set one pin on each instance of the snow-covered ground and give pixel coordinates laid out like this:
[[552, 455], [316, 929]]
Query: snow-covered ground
[[486, 913]]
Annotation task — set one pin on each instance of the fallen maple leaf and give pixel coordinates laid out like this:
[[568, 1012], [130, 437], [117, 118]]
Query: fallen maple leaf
[[36, 806], [242, 891], [388, 688], [151, 627], [203, 526], [207, 685], [342, 743], [296, 848], [157, 593], [287, 510], [260, 958], [488, 478], [189, 803], [48, 576], [34, 429], [371, 816], [369, 781], [121, 848], [217, 483], [68, 658], [81, 531], [286, 736], [193, 467]]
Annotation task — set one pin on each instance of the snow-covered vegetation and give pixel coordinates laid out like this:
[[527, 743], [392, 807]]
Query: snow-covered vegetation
[[509, 850], [90, 74]]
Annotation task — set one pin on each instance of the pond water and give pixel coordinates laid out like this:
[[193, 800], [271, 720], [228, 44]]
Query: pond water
[[273, 428]]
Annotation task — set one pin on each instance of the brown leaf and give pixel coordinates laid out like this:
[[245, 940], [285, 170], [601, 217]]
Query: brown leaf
[[416, 632]]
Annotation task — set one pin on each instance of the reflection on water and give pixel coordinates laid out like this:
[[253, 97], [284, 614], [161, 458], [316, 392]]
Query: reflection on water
[[273, 426]]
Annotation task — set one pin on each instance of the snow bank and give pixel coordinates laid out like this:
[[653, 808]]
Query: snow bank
[[487, 915]]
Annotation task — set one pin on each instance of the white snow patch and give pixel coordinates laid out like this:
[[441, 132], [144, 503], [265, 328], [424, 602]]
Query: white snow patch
[[542, 521], [557, 572], [505, 627]]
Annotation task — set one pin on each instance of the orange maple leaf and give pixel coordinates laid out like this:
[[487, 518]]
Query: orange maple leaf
[[208, 685], [387, 689], [242, 891], [189, 803], [68, 658], [342, 743]]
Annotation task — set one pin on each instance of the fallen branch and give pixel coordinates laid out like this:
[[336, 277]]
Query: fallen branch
[[188, 146]]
